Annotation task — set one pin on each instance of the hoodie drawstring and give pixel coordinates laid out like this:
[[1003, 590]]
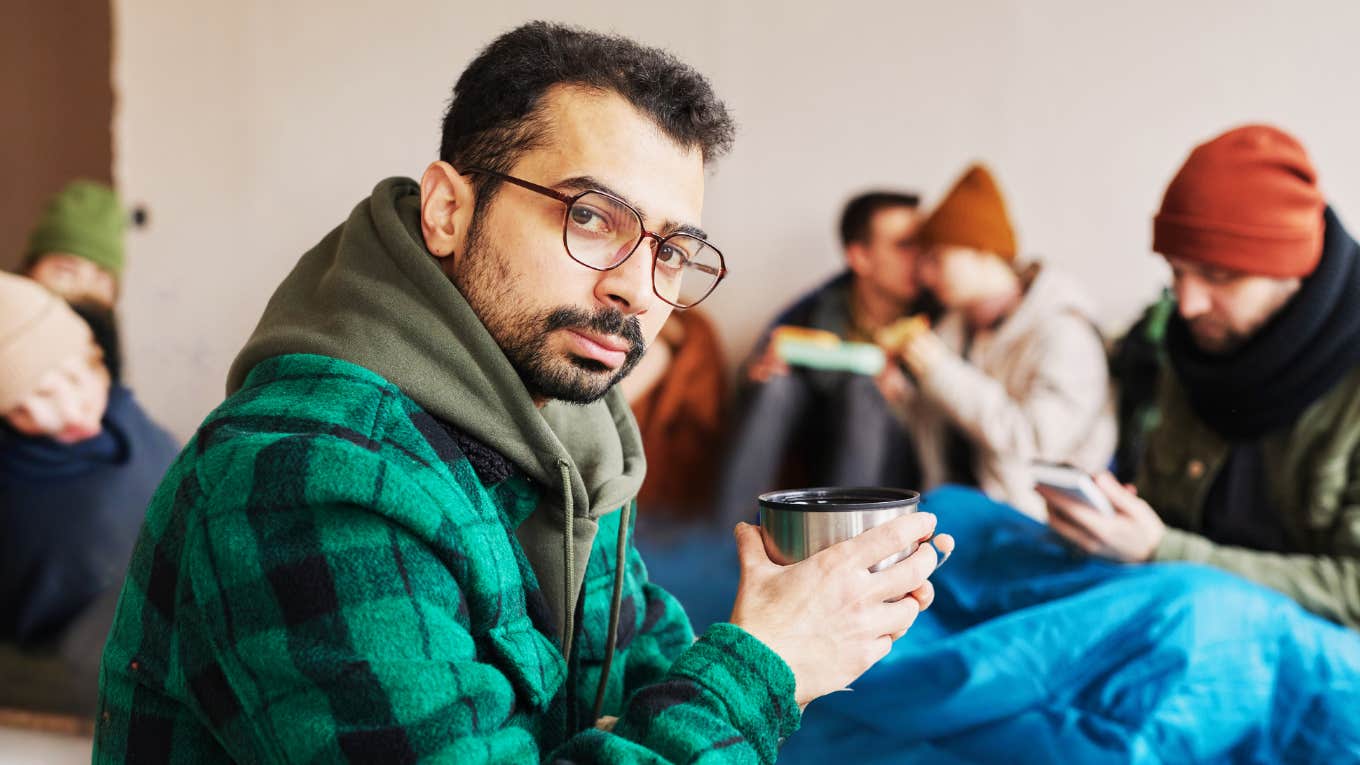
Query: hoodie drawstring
[[568, 558], [620, 560], [569, 569]]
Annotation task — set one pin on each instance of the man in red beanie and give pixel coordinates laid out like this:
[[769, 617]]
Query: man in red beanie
[[1254, 466]]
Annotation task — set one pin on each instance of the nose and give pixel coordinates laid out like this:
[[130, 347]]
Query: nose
[[629, 286], [926, 272], [1192, 298]]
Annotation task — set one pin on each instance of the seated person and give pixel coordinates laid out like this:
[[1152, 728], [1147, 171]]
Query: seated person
[[678, 394], [1254, 466], [404, 536], [79, 461], [832, 428], [76, 248], [1014, 372]]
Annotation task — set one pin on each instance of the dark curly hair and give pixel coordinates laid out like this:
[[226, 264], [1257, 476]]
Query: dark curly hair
[[859, 212], [494, 115]]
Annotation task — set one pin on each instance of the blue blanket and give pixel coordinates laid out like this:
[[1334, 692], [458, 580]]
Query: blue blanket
[[1036, 654]]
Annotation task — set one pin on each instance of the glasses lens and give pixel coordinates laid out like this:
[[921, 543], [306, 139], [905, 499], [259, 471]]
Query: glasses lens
[[601, 230], [686, 270]]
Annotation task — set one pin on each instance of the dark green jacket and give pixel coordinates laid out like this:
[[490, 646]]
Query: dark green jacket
[[1315, 482], [371, 551]]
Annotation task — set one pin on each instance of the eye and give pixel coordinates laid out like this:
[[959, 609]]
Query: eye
[[589, 219], [672, 256]]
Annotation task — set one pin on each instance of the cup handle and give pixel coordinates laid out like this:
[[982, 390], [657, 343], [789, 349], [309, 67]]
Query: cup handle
[[941, 557]]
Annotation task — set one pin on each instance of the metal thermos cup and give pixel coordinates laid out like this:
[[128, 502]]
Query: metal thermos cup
[[799, 523]]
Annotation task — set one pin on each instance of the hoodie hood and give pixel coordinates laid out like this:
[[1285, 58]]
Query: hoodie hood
[[372, 294]]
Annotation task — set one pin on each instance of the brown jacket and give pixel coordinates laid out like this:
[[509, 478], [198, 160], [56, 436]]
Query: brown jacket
[[681, 419]]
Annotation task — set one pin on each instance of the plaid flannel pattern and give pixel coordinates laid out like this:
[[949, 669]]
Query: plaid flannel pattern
[[325, 576]]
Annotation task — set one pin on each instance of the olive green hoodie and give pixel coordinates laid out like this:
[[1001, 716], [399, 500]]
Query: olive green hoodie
[[372, 294]]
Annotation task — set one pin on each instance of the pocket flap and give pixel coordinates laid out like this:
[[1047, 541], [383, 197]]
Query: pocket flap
[[534, 665]]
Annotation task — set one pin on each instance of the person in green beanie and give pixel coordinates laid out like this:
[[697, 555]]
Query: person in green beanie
[[79, 461], [406, 535], [76, 248]]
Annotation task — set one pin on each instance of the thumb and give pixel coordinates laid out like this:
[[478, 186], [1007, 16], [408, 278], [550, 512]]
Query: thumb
[[1120, 497], [750, 545]]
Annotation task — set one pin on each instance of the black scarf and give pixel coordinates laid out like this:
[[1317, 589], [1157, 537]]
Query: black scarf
[[1291, 362]]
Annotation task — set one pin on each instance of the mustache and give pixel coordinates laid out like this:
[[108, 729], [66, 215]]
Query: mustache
[[1203, 323], [605, 321]]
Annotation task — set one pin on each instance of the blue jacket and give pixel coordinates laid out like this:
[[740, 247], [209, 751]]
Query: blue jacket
[[69, 515]]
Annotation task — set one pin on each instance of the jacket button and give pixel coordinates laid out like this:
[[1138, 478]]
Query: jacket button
[[1195, 469]]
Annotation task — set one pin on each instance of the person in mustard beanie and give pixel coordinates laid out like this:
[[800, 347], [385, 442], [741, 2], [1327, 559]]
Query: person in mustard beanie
[[79, 460], [76, 247], [1254, 465], [1014, 372]]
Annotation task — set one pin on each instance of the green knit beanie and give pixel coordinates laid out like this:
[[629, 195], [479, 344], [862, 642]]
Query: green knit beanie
[[83, 219]]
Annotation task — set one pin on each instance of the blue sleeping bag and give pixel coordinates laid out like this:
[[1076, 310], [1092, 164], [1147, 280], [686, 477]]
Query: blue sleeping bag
[[1035, 654]]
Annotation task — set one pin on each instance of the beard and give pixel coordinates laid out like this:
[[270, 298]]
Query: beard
[[481, 275], [1213, 337]]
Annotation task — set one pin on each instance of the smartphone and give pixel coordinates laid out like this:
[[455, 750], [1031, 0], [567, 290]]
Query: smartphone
[[1073, 482]]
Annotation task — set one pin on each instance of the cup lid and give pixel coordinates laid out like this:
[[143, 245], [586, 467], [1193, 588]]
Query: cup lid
[[830, 499]]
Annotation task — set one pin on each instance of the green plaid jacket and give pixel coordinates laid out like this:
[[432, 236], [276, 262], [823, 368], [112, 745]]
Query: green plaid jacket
[[329, 574]]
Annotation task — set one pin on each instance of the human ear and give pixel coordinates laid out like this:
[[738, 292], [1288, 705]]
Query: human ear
[[447, 200]]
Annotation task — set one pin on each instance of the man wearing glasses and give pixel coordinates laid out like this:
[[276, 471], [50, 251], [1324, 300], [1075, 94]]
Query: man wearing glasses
[[406, 533]]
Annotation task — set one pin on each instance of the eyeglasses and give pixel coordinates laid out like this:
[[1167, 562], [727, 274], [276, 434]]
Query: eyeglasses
[[601, 231]]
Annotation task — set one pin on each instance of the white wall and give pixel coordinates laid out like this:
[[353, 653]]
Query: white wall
[[251, 128]]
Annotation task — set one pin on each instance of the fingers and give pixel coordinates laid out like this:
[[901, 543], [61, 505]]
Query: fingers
[[1083, 515], [1113, 489], [1074, 533], [899, 616], [1124, 501], [890, 538], [922, 351], [925, 594], [765, 371], [891, 378], [944, 544], [907, 575]]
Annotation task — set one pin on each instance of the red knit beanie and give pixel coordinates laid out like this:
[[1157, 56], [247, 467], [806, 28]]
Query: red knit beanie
[[1246, 201]]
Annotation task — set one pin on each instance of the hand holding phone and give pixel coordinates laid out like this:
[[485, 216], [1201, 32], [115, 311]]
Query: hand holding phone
[[1073, 482]]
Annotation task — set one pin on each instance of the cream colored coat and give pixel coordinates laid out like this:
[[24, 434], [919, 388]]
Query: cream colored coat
[[1035, 388]]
